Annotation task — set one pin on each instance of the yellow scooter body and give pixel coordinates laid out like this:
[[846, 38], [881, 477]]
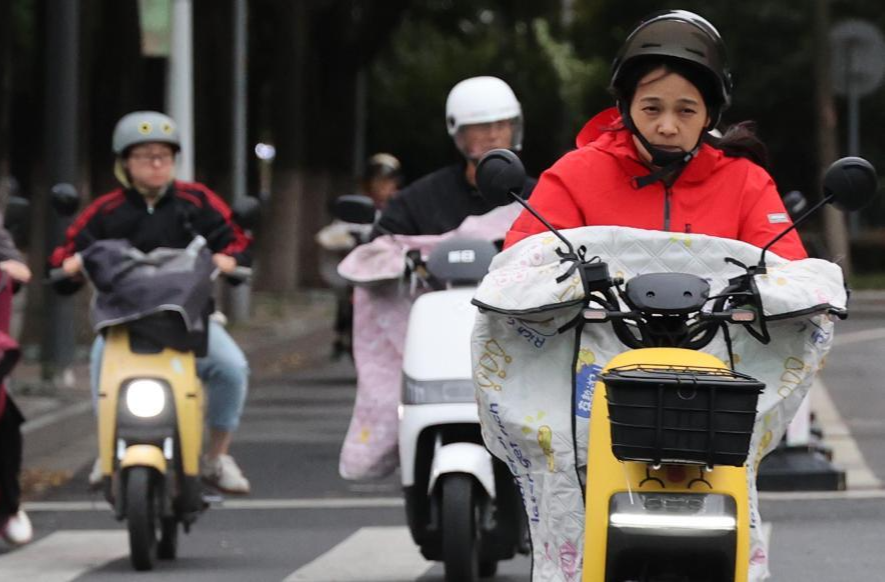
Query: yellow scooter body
[[178, 370], [607, 476]]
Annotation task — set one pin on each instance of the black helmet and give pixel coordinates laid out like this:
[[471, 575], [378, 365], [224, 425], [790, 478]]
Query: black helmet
[[682, 35]]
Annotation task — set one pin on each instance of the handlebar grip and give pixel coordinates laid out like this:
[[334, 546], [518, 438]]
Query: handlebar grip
[[240, 274], [56, 276]]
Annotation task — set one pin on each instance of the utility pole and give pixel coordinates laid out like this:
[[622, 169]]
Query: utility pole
[[180, 96], [238, 297], [62, 74]]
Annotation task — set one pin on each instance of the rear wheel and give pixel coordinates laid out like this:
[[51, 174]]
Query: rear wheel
[[141, 517], [460, 539]]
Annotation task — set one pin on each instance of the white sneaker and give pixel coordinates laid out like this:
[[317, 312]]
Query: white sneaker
[[96, 477], [224, 474], [17, 530]]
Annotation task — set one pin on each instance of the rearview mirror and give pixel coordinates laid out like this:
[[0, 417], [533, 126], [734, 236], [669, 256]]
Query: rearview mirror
[[499, 176], [354, 208], [850, 184], [246, 212], [65, 199], [17, 219]]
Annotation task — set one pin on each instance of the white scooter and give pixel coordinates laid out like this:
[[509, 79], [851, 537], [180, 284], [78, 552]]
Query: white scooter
[[462, 505]]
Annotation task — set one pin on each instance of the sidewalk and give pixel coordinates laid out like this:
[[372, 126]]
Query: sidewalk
[[281, 336]]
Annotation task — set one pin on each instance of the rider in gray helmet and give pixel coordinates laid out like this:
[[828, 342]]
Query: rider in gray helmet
[[154, 210]]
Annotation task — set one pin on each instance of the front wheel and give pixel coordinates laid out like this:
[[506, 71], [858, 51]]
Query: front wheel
[[141, 517], [460, 531]]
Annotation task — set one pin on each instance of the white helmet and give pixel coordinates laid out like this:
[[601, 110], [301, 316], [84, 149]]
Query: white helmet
[[483, 100]]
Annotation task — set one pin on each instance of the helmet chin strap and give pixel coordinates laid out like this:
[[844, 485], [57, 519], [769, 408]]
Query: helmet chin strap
[[669, 163]]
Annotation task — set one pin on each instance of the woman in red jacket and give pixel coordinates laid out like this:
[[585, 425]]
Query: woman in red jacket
[[652, 163]]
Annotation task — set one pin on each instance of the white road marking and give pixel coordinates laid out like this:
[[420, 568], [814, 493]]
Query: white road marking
[[57, 416], [315, 503], [850, 495], [856, 337], [372, 554], [846, 453], [64, 555]]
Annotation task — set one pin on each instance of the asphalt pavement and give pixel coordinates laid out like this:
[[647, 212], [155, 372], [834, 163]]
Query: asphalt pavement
[[304, 523]]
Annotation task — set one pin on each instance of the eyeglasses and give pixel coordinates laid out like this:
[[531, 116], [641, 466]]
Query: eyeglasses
[[145, 159]]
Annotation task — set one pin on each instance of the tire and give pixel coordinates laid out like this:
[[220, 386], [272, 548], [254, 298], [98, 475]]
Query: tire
[[141, 517], [488, 568], [460, 540], [167, 549]]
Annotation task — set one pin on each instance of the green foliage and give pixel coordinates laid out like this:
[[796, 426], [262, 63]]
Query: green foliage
[[441, 42], [576, 77]]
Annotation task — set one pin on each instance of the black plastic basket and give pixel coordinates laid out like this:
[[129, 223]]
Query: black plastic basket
[[685, 415]]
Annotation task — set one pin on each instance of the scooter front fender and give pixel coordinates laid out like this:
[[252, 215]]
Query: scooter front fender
[[144, 456], [468, 458]]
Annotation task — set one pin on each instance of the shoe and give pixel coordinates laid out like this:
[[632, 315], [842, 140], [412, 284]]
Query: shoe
[[224, 474], [96, 477], [17, 530]]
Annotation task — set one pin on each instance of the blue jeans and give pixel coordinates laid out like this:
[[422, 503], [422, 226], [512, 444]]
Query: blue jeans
[[224, 372]]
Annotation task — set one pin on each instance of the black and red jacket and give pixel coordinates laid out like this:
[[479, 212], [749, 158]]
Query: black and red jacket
[[185, 210]]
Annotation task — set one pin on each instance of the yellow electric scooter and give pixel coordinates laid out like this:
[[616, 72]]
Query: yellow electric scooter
[[669, 439], [667, 495], [153, 311], [150, 429]]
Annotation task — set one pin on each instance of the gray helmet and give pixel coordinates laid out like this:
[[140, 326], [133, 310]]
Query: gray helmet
[[145, 127]]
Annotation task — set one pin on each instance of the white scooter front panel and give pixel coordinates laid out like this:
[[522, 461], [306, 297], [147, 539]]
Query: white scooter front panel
[[438, 336]]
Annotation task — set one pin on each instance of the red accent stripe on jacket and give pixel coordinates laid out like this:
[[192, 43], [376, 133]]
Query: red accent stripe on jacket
[[103, 203], [241, 240]]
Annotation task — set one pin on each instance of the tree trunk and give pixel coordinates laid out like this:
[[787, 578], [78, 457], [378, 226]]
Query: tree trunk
[[212, 95], [5, 95], [115, 81], [834, 222], [278, 251], [319, 48]]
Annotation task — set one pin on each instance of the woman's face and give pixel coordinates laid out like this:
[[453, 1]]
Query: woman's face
[[668, 111]]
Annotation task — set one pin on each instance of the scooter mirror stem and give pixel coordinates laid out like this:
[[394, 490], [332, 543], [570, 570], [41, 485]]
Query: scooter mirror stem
[[527, 206], [760, 268]]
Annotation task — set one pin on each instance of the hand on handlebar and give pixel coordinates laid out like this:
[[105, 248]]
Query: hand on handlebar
[[225, 263], [72, 265], [17, 270]]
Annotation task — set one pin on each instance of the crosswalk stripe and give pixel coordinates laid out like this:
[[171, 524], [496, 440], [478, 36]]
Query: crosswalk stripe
[[64, 555], [846, 452], [359, 558], [307, 503]]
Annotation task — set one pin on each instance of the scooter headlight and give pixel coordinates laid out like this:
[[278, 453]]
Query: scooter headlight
[[673, 511], [145, 398], [437, 391]]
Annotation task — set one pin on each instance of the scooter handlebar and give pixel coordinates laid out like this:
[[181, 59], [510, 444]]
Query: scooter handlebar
[[241, 274], [57, 276]]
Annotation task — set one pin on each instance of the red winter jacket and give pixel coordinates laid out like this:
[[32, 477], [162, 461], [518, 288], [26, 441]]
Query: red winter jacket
[[715, 194]]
